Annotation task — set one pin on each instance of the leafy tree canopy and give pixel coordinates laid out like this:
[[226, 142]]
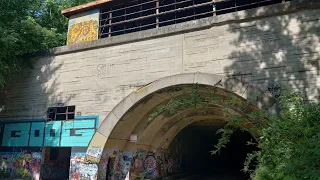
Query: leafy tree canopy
[[28, 26]]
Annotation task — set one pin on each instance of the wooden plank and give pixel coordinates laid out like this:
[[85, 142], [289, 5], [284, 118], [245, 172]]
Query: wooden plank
[[16, 134], [83, 132], [36, 141], [50, 140], [74, 10]]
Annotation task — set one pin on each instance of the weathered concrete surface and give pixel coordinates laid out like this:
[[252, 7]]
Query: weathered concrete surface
[[131, 115], [262, 100], [267, 51], [251, 14], [122, 78]]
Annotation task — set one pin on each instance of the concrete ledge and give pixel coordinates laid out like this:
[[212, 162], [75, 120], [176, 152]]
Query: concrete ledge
[[246, 15]]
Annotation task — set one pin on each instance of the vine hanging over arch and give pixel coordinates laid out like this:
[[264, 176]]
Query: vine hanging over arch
[[241, 114]]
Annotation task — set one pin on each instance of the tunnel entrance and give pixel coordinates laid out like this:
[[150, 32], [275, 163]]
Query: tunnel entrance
[[194, 143], [156, 132]]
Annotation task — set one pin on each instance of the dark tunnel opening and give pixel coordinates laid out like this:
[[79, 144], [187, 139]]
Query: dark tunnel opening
[[194, 143]]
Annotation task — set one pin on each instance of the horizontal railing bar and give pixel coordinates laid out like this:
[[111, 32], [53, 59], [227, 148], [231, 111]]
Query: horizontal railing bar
[[201, 14], [129, 7], [234, 7], [154, 8], [176, 3], [155, 15], [172, 11], [114, 17]]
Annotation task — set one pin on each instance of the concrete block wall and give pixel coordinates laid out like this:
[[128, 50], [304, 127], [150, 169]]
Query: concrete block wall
[[262, 46]]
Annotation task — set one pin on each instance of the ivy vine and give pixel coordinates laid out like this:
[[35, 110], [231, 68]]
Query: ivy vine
[[240, 114], [288, 142]]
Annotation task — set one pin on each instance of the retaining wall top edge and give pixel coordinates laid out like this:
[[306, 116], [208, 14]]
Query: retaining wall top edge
[[251, 14]]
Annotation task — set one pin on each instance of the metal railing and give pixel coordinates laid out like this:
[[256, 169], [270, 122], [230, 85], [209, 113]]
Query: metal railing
[[156, 13]]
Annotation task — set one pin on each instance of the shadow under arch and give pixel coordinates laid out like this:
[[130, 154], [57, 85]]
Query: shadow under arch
[[131, 116]]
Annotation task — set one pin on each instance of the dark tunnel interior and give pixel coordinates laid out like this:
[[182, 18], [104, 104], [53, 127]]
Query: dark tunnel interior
[[194, 143]]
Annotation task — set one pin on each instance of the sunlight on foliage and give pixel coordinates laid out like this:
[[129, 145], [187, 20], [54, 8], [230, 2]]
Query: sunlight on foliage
[[28, 26], [288, 143]]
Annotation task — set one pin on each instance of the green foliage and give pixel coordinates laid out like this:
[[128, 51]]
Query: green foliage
[[4, 173], [19, 173], [185, 101], [290, 144], [190, 98], [23, 173], [223, 141], [28, 26]]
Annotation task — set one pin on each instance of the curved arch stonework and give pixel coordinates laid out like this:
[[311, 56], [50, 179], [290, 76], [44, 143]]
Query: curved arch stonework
[[130, 116]]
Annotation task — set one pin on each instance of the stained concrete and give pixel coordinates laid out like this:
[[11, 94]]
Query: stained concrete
[[261, 46]]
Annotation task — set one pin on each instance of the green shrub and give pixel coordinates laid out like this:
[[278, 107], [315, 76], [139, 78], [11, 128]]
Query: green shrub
[[290, 143], [23, 173], [4, 173]]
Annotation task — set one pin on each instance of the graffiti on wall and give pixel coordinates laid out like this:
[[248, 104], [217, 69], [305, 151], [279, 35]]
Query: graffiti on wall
[[119, 165], [160, 166], [137, 163], [80, 170], [88, 171], [122, 166], [17, 163], [83, 31], [93, 154], [103, 164], [83, 27], [75, 160], [150, 165]]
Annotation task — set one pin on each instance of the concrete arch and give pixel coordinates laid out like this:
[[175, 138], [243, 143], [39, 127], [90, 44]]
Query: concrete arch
[[130, 115], [242, 89]]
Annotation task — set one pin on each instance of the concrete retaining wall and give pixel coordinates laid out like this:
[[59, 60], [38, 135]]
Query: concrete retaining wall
[[270, 47]]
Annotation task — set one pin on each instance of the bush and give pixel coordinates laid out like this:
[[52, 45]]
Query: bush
[[290, 144], [23, 173], [4, 173]]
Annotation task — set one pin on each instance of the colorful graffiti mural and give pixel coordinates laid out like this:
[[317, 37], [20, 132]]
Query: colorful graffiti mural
[[80, 170], [21, 163], [122, 166], [150, 165], [160, 166], [119, 165], [103, 164], [137, 163], [127, 165], [83, 31], [93, 154], [84, 27]]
